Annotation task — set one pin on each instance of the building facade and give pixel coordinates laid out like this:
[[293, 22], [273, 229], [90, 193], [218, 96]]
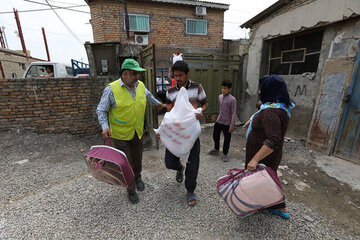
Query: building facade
[[312, 44], [163, 22]]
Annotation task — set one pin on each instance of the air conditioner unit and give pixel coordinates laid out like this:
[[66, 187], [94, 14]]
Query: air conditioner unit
[[200, 11], [141, 39]]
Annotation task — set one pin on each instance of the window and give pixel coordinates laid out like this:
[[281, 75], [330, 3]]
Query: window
[[295, 55], [196, 27], [138, 23], [36, 71]]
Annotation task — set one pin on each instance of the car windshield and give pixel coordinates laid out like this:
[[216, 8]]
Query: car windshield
[[36, 71]]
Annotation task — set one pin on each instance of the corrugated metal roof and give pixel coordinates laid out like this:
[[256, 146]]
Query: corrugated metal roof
[[208, 4], [196, 3]]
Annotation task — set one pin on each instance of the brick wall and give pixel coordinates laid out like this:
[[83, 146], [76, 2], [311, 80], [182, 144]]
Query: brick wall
[[167, 23], [51, 105]]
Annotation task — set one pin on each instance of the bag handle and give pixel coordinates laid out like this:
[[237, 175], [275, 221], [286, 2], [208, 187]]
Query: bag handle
[[238, 170], [110, 144]]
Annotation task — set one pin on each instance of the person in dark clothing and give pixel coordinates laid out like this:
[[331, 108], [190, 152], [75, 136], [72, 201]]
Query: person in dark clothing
[[266, 132], [197, 97]]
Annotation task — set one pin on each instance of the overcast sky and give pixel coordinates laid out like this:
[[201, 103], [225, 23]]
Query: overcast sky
[[63, 45]]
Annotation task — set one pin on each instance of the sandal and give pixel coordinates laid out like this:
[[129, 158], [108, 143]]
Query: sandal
[[191, 199], [225, 158], [214, 152], [180, 175], [285, 215]]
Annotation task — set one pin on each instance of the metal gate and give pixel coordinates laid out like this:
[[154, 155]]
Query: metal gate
[[151, 117], [210, 70], [348, 141]]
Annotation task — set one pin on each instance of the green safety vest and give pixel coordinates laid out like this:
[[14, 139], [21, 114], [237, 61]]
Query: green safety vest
[[128, 115]]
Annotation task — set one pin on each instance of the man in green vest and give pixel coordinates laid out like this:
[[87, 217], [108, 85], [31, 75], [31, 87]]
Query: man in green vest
[[121, 113]]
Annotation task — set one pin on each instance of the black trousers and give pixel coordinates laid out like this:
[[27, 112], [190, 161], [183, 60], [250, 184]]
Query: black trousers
[[192, 165], [134, 150], [227, 136]]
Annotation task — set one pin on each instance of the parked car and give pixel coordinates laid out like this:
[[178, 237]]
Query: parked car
[[57, 70], [38, 69]]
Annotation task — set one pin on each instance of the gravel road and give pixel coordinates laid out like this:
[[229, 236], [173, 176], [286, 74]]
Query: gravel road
[[47, 193]]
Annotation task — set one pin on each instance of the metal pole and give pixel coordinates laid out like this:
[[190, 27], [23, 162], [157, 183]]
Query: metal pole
[[46, 46], [2, 39], [127, 25], [4, 35], [20, 32], [2, 70]]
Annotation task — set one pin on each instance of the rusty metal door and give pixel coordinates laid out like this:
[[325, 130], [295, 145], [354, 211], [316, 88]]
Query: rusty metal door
[[348, 141], [151, 117]]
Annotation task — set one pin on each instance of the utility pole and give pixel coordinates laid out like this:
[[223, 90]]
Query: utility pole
[[20, 32], [46, 46], [4, 35], [2, 42], [127, 25]]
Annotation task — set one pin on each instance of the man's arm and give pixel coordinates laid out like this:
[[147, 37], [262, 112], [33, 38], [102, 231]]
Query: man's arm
[[152, 100], [103, 110], [233, 115]]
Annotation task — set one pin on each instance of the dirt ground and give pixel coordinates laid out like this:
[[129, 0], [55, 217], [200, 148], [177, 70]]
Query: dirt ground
[[303, 181]]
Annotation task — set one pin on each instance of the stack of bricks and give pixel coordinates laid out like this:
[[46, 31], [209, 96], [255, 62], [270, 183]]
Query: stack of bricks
[[167, 23], [51, 105]]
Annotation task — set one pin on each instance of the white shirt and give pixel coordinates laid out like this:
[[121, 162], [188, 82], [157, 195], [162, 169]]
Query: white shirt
[[177, 58]]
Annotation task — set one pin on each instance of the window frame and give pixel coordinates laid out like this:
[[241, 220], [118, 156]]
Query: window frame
[[136, 15], [292, 49], [198, 20]]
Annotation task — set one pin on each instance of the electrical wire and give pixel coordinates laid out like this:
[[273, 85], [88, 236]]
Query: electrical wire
[[51, 6], [68, 28], [47, 9]]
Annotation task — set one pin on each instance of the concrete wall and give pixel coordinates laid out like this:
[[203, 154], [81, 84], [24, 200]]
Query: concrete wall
[[14, 62], [167, 23], [296, 17]]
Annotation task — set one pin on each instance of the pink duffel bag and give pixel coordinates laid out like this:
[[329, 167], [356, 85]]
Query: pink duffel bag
[[109, 165], [246, 192]]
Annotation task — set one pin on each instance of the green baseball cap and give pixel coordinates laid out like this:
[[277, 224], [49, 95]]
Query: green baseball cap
[[131, 64]]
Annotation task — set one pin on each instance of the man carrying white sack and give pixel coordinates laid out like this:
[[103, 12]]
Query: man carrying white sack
[[197, 97]]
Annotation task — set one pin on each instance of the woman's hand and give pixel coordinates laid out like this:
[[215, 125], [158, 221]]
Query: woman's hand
[[252, 165]]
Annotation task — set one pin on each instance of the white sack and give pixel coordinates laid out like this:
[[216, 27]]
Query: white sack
[[179, 128]]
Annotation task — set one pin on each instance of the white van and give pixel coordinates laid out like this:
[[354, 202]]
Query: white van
[[37, 70]]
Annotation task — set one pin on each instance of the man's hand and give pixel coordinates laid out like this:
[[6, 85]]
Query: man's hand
[[106, 133], [160, 106], [199, 115], [231, 130]]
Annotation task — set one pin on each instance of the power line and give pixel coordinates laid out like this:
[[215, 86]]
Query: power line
[[46, 9], [68, 28], [51, 6]]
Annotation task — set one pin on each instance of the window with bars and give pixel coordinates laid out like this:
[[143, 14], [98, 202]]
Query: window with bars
[[138, 23], [196, 27], [295, 55]]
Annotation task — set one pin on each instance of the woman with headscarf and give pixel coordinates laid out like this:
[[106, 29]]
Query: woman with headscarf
[[266, 132]]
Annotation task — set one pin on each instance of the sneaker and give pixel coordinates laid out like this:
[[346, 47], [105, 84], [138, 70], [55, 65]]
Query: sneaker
[[140, 185], [133, 198], [214, 152]]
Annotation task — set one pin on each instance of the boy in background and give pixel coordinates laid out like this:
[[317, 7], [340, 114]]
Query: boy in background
[[225, 121]]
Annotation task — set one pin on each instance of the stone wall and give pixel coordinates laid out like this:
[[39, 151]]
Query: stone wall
[[54, 105]]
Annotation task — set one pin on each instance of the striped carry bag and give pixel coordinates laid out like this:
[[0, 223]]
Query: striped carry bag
[[109, 165], [246, 192]]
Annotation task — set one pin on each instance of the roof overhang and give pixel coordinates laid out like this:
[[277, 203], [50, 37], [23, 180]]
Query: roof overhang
[[188, 2], [266, 13]]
